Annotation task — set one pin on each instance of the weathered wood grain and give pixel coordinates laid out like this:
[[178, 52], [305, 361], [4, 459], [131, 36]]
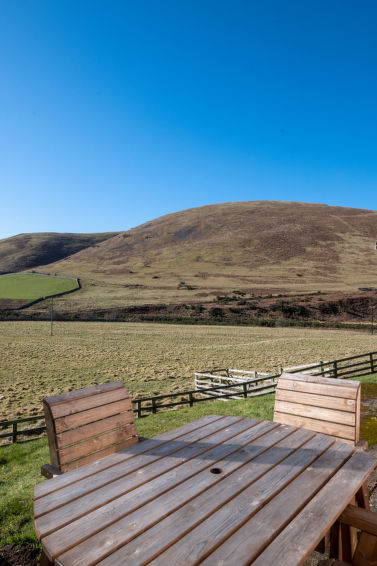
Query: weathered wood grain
[[313, 412], [145, 468], [324, 401], [156, 539], [198, 542], [296, 542], [346, 433], [255, 535], [161, 503], [195, 441]]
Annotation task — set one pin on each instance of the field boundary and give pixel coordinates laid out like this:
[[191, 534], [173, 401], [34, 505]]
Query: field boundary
[[339, 369], [31, 303]]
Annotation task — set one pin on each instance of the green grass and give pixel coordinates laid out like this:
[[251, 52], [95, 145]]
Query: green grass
[[32, 286], [20, 463]]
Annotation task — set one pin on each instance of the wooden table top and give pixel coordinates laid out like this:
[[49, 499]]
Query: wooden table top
[[217, 491]]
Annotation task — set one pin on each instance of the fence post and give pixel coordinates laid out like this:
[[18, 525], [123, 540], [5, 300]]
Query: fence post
[[371, 362], [244, 390], [191, 399], [335, 364], [14, 432], [138, 408], [154, 409], [321, 362]]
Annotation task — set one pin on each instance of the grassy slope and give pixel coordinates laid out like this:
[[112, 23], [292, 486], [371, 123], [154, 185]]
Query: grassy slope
[[32, 286], [148, 358], [26, 251], [252, 246]]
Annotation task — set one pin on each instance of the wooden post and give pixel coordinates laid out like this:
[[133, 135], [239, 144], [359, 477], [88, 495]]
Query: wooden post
[[334, 540], [14, 432], [244, 390], [346, 545], [335, 364], [138, 408], [154, 408], [191, 399], [362, 497], [371, 363]]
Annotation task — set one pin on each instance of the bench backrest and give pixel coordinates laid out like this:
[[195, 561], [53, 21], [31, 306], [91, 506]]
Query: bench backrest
[[330, 406], [87, 424]]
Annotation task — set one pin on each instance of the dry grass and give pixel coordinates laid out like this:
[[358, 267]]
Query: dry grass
[[148, 358]]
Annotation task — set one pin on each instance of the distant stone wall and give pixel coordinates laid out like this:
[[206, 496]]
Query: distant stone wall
[[31, 303]]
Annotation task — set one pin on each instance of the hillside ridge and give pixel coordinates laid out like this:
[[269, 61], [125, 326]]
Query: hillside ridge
[[250, 248], [27, 251]]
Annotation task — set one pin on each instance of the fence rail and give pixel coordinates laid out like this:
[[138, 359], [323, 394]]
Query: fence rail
[[237, 380], [340, 369]]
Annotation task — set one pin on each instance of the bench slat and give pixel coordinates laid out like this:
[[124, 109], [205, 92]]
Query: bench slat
[[313, 412], [317, 388], [79, 419], [342, 432], [324, 401]]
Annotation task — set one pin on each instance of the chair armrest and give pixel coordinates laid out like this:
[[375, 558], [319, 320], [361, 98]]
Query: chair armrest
[[360, 519], [49, 471], [362, 445]]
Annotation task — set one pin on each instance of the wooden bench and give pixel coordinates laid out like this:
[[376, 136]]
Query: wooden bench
[[331, 406], [326, 405], [86, 425]]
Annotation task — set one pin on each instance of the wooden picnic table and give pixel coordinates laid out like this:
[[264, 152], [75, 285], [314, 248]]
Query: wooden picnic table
[[216, 491]]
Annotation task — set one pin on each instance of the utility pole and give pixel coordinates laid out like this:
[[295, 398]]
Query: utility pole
[[52, 317], [372, 311]]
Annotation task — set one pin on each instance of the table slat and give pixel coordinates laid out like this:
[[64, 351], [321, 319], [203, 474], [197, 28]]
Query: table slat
[[196, 543], [145, 472], [117, 471], [253, 537], [296, 542], [208, 490]]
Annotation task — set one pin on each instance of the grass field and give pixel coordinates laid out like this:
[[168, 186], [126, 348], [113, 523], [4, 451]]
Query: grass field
[[31, 286], [150, 359]]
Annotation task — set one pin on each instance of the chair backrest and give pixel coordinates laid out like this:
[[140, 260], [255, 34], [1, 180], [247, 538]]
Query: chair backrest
[[87, 424], [321, 404]]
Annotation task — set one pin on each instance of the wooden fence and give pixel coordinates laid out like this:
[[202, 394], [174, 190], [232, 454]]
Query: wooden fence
[[345, 368], [256, 383], [353, 366], [15, 428]]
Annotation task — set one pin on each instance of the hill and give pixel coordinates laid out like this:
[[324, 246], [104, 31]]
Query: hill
[[235, 254], [27, 251]]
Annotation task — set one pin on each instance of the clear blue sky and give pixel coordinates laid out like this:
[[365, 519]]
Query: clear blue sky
[[113, 113]]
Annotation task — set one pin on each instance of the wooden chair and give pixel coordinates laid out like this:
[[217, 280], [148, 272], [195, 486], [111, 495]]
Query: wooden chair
[[364, 552], [321, 404], [87, 424], [330, 406]]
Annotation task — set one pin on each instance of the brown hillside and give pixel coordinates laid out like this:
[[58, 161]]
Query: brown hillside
[[27, 251], [193, 255]]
